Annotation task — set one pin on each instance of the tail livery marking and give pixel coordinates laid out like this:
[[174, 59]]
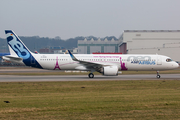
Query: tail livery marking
[[17, 46]]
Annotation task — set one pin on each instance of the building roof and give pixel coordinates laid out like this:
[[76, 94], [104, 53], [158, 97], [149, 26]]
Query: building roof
[[151, 30]]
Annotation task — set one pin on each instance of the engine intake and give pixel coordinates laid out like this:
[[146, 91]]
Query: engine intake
[[110, 70]]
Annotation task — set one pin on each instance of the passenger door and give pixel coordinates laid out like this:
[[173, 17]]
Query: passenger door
[[159, 60]]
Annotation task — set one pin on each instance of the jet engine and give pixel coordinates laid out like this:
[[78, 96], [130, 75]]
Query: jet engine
[[110, 70]]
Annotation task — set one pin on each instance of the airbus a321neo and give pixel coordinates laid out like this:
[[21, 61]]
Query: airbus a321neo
[[107, 64]]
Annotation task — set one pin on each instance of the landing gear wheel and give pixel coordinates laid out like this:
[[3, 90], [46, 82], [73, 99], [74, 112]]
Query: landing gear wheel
[[158, 76], [91, 75]]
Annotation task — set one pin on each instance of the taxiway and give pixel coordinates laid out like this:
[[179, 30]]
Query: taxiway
[[19, 78]]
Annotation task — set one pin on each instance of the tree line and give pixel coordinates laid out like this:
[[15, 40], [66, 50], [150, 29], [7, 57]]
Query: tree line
[[35, 43]]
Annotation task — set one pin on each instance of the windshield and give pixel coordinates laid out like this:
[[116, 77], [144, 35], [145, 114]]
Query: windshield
[[168, 60]]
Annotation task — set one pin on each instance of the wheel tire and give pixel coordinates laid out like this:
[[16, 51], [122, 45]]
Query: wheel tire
[[158, 76], [91, 75]]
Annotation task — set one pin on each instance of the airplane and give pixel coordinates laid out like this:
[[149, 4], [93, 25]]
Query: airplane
[[107, 64]]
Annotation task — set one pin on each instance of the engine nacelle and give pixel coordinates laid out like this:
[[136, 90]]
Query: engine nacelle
[[110, 70]]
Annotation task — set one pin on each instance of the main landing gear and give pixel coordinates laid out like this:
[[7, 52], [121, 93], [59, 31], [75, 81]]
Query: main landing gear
[[91, 75], [158, 76]]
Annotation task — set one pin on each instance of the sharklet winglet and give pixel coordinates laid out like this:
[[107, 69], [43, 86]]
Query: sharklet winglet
[[72, 56]]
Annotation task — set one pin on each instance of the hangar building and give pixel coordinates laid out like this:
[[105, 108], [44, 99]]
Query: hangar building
[[163, 42], [103, 46]]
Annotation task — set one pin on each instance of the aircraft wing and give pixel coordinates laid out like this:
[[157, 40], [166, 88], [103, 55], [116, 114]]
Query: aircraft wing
[[88, 65]]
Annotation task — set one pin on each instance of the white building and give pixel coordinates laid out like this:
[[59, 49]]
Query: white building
[[164, 42]]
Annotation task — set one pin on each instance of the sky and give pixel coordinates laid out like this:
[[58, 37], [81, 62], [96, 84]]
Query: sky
[[100, 18]]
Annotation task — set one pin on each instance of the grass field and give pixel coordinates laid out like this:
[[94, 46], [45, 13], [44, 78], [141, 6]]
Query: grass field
[[132, 100]]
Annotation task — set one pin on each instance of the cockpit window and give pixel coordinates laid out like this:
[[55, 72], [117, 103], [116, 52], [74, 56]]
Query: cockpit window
[[168, 60]]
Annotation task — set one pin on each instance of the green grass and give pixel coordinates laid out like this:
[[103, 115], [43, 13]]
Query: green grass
[[132, 100]]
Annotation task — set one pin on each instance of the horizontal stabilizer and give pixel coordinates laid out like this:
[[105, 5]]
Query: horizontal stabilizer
[[12, 58]]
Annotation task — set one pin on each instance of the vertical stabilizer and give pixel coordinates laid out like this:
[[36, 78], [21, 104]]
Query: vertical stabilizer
[[16, 46], [18, 49]]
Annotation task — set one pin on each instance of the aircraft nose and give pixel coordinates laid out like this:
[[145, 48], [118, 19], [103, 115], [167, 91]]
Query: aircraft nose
[[176, 65]]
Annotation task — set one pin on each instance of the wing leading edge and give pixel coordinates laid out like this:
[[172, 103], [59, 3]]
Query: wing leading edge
[[88, 65]]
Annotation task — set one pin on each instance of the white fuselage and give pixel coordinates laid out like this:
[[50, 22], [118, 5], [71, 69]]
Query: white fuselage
[[135, 62]]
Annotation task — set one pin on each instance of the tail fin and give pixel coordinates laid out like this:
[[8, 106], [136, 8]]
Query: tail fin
[[18, 49], [16, 46]]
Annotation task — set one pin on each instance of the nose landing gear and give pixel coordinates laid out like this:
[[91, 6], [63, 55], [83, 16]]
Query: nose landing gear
[[158, 76]]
